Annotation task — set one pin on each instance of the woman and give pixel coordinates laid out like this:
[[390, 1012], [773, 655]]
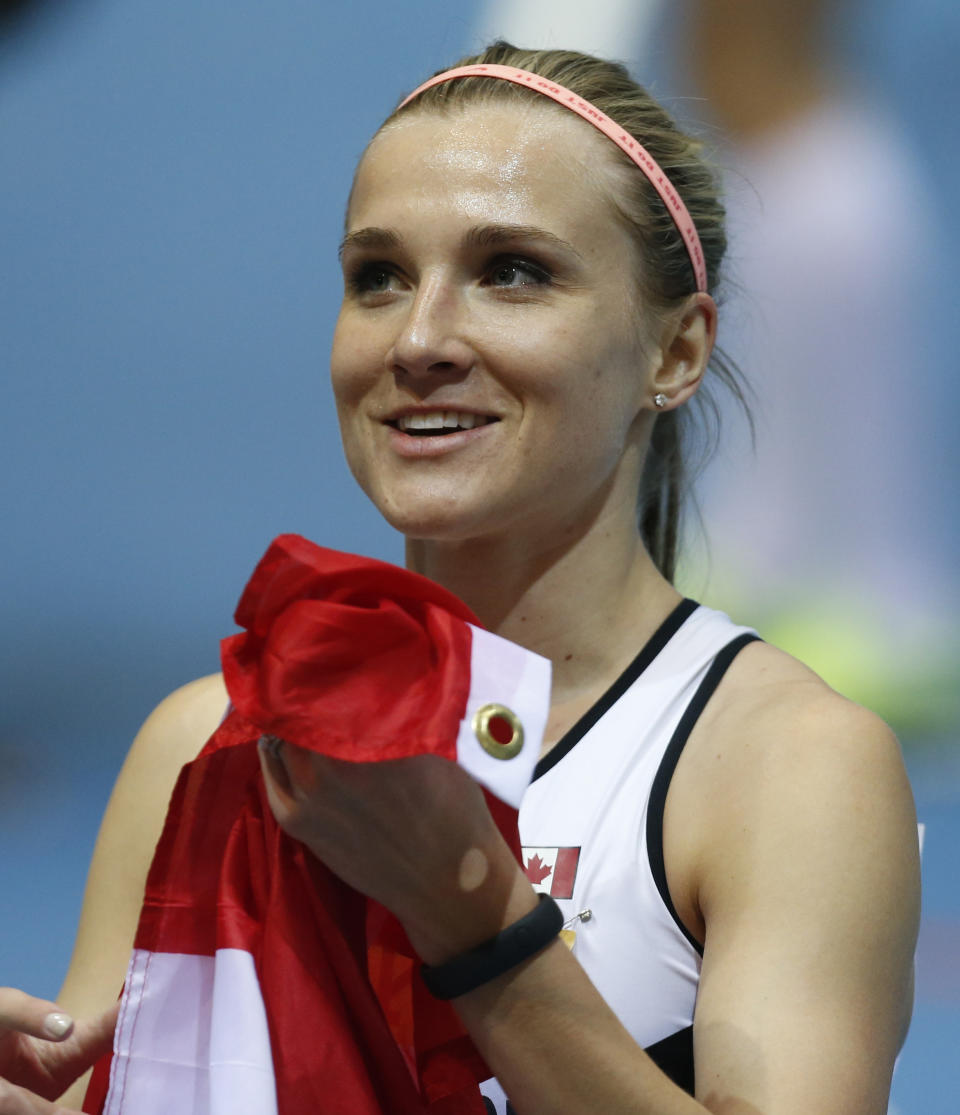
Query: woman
[[514, 278]]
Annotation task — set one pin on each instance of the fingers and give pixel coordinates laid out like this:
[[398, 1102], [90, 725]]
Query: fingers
[[275, 777], [37, 1017], [95, 1037], [63, 1063]]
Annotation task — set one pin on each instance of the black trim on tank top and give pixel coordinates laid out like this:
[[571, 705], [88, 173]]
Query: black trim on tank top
[[657, 641], [674, 1057], [668, 764]]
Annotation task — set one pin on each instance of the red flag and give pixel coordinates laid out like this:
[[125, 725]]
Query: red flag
[[259, 982]]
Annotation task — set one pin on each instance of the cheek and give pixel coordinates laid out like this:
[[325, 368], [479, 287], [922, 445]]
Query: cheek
[[603, 418], [340, 356], [598, 387], [353, 366], [348, 384]]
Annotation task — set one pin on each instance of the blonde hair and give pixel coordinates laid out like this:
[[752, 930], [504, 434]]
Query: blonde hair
[[666, 277]]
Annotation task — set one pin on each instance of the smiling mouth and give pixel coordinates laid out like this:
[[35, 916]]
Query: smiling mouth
[[439, 423]]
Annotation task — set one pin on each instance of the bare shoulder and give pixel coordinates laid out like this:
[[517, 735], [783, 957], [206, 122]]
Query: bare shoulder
[[778, 749], [772, 715], [801, 861], [179, 726], [777, 759], [171, 736]]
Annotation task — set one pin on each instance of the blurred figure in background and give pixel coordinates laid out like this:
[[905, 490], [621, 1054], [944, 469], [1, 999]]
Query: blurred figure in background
[[831, 244], [839, 507]]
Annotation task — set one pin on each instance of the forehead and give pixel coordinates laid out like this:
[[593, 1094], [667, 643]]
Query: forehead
[[501, 163]]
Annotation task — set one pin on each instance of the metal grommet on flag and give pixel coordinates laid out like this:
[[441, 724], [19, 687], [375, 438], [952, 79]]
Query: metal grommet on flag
[[498, 731]]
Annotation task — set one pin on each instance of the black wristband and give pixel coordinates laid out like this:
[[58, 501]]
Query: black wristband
[[510, 947]]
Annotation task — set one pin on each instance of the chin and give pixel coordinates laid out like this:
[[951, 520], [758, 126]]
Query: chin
[[436, 520], [431, 512], [419, 527]]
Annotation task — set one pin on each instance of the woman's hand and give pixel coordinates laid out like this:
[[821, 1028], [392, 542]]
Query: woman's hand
[[42, 1051], [415, 834]]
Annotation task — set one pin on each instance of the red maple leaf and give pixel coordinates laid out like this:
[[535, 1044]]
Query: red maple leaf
[[536, 870]]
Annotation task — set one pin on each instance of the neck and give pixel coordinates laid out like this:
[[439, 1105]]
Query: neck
[[585, 600]]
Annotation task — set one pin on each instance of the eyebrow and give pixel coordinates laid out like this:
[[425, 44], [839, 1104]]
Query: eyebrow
[[370, 239], [484, 236], [487, 236]]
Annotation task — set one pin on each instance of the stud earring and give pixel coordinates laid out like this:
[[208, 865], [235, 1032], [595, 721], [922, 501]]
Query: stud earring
[[659, 400]]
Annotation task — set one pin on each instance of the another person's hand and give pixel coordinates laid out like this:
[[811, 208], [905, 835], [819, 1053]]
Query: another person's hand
[[415, 834], [42, 1051]]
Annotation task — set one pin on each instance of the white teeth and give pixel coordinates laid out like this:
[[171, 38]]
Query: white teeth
[[440, 420], [421, 422]]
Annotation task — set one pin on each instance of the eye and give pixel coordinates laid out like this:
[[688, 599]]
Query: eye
[[370, 278], [517, 273]]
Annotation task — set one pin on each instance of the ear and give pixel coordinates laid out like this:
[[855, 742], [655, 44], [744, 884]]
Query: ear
[[685, 347]]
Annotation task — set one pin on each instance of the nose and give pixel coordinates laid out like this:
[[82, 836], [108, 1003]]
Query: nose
[[430, 339]]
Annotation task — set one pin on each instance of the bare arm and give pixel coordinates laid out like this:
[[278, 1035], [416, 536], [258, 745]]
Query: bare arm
[[812, 905], [804, 865], [809, 868], [170, 737]]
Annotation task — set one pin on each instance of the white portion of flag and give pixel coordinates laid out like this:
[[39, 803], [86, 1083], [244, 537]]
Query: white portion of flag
[[502, 673], [610, 28], [192, 1038]]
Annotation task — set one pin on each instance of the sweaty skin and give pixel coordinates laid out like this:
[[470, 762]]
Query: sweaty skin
[[789, 832]]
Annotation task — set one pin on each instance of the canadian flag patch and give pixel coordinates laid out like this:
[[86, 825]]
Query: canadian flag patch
[[552, 871]]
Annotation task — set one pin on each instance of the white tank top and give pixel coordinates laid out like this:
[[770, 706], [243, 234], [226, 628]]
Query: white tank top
[[591, 825]]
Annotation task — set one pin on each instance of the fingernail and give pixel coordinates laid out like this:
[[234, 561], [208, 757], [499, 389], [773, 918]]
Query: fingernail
[[57, 1025]]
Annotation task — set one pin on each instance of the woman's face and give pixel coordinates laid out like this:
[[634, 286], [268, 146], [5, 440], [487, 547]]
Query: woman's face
[[488, 361]]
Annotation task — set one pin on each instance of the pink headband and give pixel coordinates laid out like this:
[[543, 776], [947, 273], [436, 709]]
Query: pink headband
[[623, 139]]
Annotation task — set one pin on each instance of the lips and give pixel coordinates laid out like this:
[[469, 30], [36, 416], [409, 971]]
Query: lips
[[438, 423], [418, 434]]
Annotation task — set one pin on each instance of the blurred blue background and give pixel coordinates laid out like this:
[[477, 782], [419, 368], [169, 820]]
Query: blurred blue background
[[172, 179]]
